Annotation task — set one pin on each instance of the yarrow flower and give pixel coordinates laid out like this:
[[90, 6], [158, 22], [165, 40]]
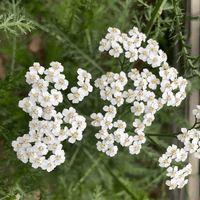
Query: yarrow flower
[[142, 97], [45, 133]]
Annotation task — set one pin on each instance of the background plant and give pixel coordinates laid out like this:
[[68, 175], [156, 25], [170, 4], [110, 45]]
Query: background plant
[[69, 32]]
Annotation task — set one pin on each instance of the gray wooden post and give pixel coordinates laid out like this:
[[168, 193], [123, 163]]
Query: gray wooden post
[[193, 185]]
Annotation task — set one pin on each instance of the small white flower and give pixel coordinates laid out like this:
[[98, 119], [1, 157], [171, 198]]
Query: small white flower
[[83, 75], [181, 155], [35, 136], [126, 140], [116, 50], [36, 161], [60, 82], [163, 55], [196, 112], [45, 99], [164, 161], [59, 157], [22, 155], [36, 112], [50, 74], [102, 134], [41, 84], [26, 104], [148, 119], [118, 99], [132, 54], [121, 125], [109, 139], [101, 83], [106, 94], [140, 137], [166, 86], [128, 43], [57, 97], [154, 60], [123, 37], [79, 122], [138, 125], [41, 148], [58, 118], [153, 82], [97, 119], [172, 151], [44, 127], [172, 172], [69, 114], [133, 31], [112, 150], [32, 77], [104, 45], [121, 78], [102, 146], [55, 145], [185, 136], [190, 146], [106, 122], [171, 183], [76, 95], [49, 164], [34, 94], [63, 134], [182, 183], [144, 54], [116, 87], [86, 87], [118, 134], [130, 96], [57, 66], [153, 43], [34, 124], [110, 111], [48, 112], [17, 145], [135, 148], [169, 98], [37, 67], [140, 84], [137, 108], [134, 74]]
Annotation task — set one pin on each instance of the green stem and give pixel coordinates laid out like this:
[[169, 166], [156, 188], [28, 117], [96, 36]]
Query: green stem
[[122, 63], [88, 172], [160, 149], [162, 135], [195, 62], [14, 41], [153, 17], [121, 183]]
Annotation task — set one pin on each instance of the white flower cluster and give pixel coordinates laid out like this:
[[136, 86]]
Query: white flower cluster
[[145, 102], [191, 140], [177, 176], [46, 131], [84, 81], [119, 136]]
